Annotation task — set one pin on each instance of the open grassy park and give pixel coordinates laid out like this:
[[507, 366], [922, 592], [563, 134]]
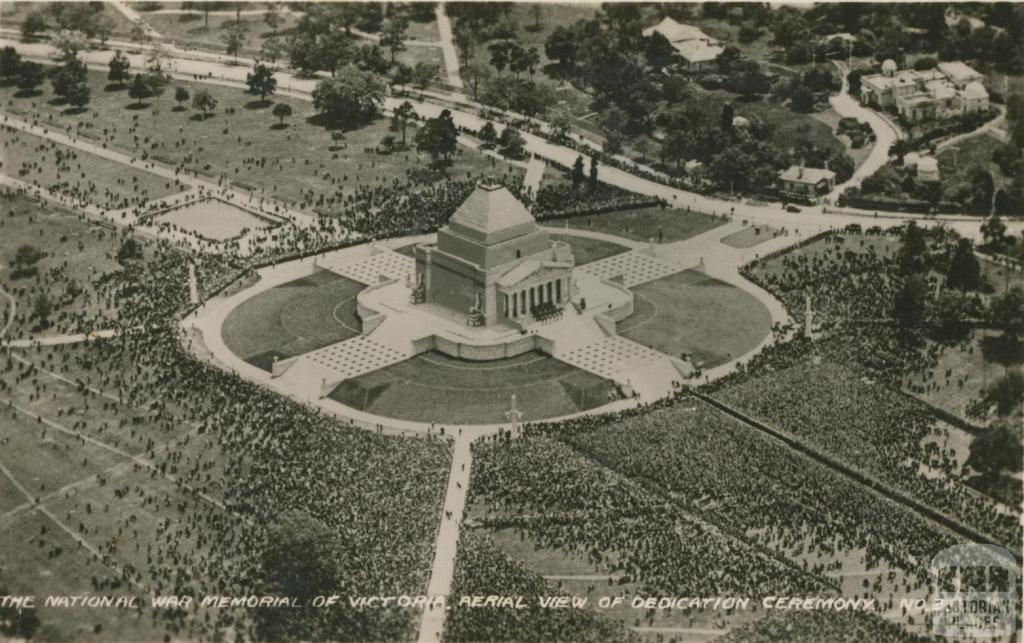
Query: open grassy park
[[750, 236], [77, 174], [307, 168], [433, 387], [662, 225], [293, 318], [692, 313]]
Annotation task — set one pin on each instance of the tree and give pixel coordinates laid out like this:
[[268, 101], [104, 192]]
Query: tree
[[282, 111], [424, 73], [802, 99], [73, 72], [476, 72], [272, 18], [577, 172], [511, 142], [27, 256], [181, 96], [33, 24], [997, 449], [964, 270], [728, 114], [438, 138], [140, 89], [562, 45], [119, 66], [560, 120], [261, 82], [234, 39], [913, 252], [42, 308], [352, 97], [401, 75], [30, 76], [488, 134], [130, 250], [1007, 393], [994, 233], [1015, 107], [593, 173], [10, 62], [299, 559], [909, 304], [536, 11], [1007, 313], [272, 49], [658, 51], [404, 113], [204, 102], [78, 95], [393, 36]]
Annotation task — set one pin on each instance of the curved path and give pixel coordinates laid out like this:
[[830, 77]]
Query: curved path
[[886, 134]]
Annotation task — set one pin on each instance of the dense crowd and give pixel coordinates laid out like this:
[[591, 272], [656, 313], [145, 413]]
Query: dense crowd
[[226, 463], [866, 424]]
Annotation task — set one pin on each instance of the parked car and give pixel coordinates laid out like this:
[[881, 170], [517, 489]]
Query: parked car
[[792, 208]]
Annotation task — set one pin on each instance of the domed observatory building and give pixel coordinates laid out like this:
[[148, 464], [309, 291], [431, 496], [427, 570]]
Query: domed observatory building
[[494, 263]]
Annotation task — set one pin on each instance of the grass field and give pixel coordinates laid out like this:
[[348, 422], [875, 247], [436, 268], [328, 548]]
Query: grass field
[[293, 318], [689, 312], [77, 254], [956, 161], [750, 236], [214, 219], [303, 167], [586, 250], [961, 375], [433, 387], [106, 183], [647, 223]]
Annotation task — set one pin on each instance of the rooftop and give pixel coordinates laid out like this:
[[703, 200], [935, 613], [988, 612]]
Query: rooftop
[[692, 44], [958, 70], [490, 210], [812, 175]]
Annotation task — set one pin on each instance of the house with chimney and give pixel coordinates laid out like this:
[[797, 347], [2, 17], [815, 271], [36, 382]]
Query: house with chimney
[[806, 183]]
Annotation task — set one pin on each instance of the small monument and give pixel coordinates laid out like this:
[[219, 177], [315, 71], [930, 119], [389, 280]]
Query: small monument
[[514, 415]]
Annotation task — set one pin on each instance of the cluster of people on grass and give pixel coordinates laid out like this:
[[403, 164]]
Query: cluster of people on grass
[[220, 462]]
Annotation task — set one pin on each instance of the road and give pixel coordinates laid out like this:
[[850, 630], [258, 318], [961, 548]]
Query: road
[[886, 134]]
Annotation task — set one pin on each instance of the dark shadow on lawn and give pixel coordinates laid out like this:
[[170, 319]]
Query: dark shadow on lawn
[[258, 104], [28, 93], [136, 106], [279, 126], [115, 87]]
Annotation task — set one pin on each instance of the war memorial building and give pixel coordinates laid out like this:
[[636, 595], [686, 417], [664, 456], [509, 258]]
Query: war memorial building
[[493, 262]]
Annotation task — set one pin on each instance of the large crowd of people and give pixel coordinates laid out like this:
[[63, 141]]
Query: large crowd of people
[[225, 460]]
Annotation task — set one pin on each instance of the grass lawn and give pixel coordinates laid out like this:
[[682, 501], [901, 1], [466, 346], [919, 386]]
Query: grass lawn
[[750, 236], [831, 118], [956, 161], [12, 14], [77, 174], [961, 375], [295, 164], [645, 224], [433, 387], [190, 29], [293, 318], [415, 54], [817, 251], [77, 253], [689, 312], [586, 250], [1001, 279]]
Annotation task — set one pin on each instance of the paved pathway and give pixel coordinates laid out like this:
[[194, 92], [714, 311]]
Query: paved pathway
[[991, 126], [534, 175], [451, 55], [885, 134]]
